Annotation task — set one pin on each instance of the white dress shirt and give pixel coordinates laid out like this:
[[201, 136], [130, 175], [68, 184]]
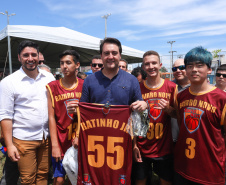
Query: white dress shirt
[[24, 101]]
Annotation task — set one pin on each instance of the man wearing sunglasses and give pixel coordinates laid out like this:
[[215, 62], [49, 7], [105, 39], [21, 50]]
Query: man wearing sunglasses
[[96, 63], [182, 82], [41, 59], [221, 77], [179, 74]]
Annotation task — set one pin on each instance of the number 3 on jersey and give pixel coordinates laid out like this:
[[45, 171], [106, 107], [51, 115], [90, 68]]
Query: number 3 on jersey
[[190, 151], [99, 156]]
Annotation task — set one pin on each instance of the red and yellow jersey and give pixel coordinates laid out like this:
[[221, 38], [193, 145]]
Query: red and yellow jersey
[[66, 122], [158, 141], [105, 147], [200, 149]]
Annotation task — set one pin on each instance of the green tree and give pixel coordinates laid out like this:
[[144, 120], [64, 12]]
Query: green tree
[[215, 52], [163, 69]]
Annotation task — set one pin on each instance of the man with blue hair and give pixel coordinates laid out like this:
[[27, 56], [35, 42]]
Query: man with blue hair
[[200, 149]]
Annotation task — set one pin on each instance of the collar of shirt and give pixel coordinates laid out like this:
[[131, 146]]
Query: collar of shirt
[[103, 76], [24, 75]]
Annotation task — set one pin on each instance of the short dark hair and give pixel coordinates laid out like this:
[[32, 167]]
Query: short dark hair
[[138, 70], [198, 54], [95, 57], [111, 41], [80, 74], [124, 61], [27, 43], [151, 52], [73, 53], [221, 68]]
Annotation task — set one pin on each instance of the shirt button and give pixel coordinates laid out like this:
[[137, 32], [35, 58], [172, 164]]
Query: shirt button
[[109, 91]]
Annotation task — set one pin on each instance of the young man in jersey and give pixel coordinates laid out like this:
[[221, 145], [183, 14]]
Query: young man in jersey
[[156, 148], [63, 98], [200, 149], [221, 77]]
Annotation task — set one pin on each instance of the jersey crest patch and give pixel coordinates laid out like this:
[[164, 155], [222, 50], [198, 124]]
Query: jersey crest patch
[[192, 117], [122, 180], [154, 113], [106, 108], [65, 103], [86, 177]]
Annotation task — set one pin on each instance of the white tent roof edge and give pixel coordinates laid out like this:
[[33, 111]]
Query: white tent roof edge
[[61, 35]]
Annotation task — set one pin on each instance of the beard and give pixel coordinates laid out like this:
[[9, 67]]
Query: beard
[[29, 69]]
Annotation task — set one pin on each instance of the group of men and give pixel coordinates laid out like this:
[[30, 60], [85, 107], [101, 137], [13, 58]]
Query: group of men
[[42, 117]]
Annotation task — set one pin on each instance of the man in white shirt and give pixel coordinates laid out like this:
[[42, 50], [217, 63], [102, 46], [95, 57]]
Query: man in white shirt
[[24, 116]]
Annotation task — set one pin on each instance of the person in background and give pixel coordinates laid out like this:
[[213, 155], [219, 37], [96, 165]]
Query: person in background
[[139, 73], [123, 64], [96, 63], [221, 77], [81, 75], [41, 59], [24, 116], [182, 82], [221, 84], [45, 67]]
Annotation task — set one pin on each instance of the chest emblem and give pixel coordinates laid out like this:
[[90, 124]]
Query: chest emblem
[[192, 117], [106, 108], [153, 113]]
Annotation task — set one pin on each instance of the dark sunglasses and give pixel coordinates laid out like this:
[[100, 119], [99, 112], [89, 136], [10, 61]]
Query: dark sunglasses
[[41, 61], [219, 74], [182, 67], [99, 65]]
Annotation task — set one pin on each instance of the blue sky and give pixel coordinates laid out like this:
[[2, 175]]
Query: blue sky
[[141, 24]]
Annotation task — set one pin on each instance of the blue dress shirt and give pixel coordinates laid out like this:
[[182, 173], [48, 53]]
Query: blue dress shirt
[[122, 89]]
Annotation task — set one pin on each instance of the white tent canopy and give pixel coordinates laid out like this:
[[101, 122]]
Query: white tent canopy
[[54, 40]]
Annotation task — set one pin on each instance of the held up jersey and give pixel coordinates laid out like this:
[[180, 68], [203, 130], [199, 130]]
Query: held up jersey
[[200, 149], [105, 148], [158, 142], [66, 123]]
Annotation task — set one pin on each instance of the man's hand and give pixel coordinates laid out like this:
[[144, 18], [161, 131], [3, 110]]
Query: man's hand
[[139, 105], [13, 153], [56, 153], [72, 106], [163, 104], [75, 142], [136, 155]]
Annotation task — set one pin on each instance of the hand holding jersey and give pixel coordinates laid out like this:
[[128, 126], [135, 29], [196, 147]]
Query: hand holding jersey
[[139, 106], [72, 106], [164, 104]]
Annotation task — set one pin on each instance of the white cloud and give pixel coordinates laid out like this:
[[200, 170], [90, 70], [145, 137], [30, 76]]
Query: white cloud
[[149, 18]]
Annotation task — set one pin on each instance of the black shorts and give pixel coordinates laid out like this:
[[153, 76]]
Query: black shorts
[[179, 180], [163, 167]]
